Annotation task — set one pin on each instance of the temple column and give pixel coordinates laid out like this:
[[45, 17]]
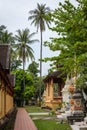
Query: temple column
[[46, 90], [51, 89], [2, 102]]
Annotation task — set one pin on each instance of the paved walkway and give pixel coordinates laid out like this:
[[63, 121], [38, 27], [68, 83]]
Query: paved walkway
[[23, 121], [79, 125], [75, 127], [39, 113]]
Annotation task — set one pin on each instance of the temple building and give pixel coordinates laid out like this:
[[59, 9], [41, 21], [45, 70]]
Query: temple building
[[7, 81], [54, 84]]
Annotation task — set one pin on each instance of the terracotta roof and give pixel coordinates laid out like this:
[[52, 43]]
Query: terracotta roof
[[12, 79], [5, 67], [5, 56]]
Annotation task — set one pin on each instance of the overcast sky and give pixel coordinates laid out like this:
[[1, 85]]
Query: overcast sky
[[14, 15]]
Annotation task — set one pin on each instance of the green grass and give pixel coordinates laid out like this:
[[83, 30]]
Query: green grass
[[46, 124], [51, 125], [32, 109]]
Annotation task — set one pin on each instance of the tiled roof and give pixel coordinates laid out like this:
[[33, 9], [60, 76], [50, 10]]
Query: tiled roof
[[5, 56], [54, 75], [12, 79], [5, 67]]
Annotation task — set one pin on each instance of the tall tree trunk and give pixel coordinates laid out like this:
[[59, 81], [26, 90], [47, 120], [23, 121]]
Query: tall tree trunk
[[40, 66], [23, 73]]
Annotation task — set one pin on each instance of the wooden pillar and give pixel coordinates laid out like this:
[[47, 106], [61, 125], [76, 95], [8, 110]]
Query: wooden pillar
[[2, 102], [5, 100], [46, 90], [51, 89]]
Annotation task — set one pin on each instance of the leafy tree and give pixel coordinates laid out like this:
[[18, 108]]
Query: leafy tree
[[70, 25], [33, 68], [15, 64], [19, 92], [23, 49], [40, 16], [33, 71]]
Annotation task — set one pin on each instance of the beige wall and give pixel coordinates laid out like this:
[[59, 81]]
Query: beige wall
[[9, 102], [6, 102], [2, 108]]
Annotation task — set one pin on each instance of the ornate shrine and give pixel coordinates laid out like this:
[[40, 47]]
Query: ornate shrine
[[53, 93]]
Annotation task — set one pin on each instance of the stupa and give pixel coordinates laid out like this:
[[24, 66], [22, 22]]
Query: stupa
[[65, 91]]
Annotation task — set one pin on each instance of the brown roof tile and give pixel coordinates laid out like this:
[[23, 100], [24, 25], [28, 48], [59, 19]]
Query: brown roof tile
[[12, 79], [5, 56]]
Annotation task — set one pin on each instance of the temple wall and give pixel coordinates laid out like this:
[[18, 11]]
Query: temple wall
[[6, 101], [6, 81], [9, 102]]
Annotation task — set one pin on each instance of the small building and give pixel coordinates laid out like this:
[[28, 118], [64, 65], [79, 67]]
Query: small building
[[6, 81], [54, 84]]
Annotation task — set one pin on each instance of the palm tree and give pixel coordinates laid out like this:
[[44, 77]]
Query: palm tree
[[2, 28], [7, 38], [23, 49], [40, 17]]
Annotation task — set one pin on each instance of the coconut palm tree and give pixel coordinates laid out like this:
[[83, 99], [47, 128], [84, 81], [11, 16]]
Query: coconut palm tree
[[2, 28], [40, 17], [7, 38], [23, 49]]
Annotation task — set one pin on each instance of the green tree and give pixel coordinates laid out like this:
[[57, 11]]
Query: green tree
[[19, 92], [23, 48], [70, 25], [2, 28], [7, 38], [33, 68], [15, 64], [40, 16]]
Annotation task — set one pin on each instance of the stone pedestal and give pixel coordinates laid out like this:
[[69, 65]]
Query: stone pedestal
[[77, 112]]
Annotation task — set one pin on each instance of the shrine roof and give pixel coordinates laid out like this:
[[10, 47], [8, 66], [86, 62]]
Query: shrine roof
[[54, 75]]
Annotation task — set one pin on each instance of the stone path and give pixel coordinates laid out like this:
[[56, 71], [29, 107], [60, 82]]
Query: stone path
[[79, 125], [23, 121], [39, 113]]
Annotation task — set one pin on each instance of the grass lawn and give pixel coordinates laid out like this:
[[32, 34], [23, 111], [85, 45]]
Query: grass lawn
[[51, 125], [33, 109], [46, 124]]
